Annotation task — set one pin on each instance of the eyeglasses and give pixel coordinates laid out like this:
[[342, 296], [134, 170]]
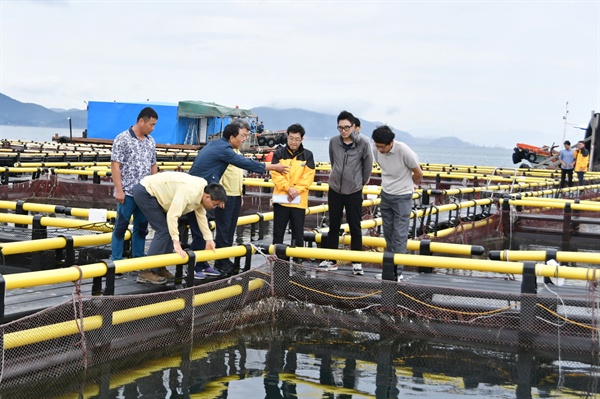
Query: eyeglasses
[[295, 140], [380, 146], [344, 128]]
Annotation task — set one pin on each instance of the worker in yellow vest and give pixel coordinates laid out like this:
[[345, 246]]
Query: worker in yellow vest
[[582, 160]]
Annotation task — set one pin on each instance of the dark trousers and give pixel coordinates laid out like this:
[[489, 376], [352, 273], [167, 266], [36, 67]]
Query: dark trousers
[[295, 216], [580, 177], [226, 221], [353, 205], [564, 175]]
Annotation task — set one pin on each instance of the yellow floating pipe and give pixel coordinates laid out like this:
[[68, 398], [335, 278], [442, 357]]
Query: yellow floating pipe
[[576, 273], [29, 206], [217, 295], [221, 253], [560, 200], [45, 244], [463, 227], [52, 331], [147, 311], [411, 245], [45, 208], [59, 164], [555, 205], [541, 256], [19, 170], [55, 222], [80, 172]]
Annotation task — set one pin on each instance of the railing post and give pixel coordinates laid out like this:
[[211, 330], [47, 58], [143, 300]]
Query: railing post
[[528, 306], [425, 249]]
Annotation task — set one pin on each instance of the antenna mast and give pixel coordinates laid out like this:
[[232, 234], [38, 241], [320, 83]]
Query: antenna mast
[[565, 119]]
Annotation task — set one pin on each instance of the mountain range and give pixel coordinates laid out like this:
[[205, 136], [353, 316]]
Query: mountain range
[[16, 113]]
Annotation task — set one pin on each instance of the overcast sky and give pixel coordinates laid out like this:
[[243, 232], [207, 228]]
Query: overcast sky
[[489, 72]]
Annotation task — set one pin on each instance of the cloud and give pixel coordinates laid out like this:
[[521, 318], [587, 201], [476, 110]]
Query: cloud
[[483, 67]]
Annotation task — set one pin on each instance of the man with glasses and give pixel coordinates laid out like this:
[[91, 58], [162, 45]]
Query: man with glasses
[[400, 171], [351, 164], [292, 187], [210, 164]]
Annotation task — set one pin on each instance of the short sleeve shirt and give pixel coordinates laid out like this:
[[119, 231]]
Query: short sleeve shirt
[[135, 156]]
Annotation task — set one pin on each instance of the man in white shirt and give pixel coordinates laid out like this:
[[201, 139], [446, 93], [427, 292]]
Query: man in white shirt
[[400, 171]]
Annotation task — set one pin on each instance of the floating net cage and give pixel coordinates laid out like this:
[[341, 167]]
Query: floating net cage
[[89, 332]]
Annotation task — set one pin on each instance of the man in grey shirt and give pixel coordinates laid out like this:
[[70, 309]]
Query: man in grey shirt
[[400, 171], [567, 163]]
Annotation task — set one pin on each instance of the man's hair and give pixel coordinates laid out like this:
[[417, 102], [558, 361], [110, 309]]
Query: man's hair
[[383, 135], [233, 129], [357, 122], [147, 113], [216, 192], [296, 128], [345, 116], [581, 141]]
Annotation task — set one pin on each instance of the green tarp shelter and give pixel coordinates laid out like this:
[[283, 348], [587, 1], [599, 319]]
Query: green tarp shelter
[[201, 109]]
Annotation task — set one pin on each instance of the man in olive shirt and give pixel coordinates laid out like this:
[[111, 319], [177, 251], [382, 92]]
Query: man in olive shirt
[[166, 196]]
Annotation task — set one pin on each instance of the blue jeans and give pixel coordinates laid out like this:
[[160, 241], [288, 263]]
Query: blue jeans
[[140, 229], [395, 213]]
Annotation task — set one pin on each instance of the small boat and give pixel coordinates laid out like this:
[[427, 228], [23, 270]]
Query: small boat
[[534, 154]]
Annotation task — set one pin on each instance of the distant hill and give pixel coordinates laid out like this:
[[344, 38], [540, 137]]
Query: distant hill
[[13, 112], [323, 125], [316, 124]]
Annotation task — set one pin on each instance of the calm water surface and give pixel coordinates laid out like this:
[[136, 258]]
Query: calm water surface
[[500, 157]]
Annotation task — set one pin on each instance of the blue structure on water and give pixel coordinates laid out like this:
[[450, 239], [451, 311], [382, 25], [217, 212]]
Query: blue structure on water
[[187, 122]]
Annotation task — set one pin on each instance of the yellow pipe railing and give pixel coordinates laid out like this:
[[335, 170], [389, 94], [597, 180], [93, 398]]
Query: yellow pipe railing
[[541, 256], [482, 265], [411, 245]]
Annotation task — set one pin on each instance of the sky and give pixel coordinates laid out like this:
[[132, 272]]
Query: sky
[[488, 72]]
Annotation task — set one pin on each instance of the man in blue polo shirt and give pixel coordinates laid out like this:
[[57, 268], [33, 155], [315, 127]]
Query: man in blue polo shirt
[[210, 164]]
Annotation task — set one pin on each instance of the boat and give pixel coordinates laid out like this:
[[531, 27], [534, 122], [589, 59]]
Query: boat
[[534, 154], [546, 157]]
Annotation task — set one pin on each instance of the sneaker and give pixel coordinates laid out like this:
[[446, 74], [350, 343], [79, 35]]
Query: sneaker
[[328, 265], [211, 271], [149, 277], [163, 272], [357, 269], [199, 276]]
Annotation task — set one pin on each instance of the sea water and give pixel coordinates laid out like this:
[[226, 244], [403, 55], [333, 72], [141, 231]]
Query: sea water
[[421, 368], [472, 156]]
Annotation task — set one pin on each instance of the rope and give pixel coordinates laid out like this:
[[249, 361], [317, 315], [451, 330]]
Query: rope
[[335, 296], [79, 319]]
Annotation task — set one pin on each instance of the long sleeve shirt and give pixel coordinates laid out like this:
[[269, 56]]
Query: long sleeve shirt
[[178, 194]]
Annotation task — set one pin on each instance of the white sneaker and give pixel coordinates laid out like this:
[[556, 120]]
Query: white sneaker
[[328, 265], [357, 269]]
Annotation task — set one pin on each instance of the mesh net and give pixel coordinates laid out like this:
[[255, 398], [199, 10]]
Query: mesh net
[[89, 332]]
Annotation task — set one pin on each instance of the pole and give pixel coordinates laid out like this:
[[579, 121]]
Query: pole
[[70, 129], [565, 118]]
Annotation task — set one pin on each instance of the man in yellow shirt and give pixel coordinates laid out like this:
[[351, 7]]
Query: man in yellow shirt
[[166, 196]]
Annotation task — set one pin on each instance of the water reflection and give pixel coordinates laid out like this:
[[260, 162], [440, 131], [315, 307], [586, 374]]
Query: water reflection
[[283, 362]]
